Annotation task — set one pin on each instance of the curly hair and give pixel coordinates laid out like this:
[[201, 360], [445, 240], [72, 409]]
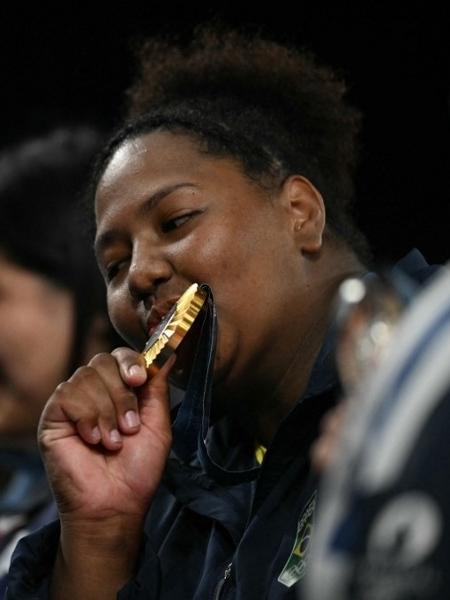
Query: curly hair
[[270, 107]]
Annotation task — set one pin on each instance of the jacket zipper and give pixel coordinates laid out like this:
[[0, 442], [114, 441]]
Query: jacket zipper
[[222, 582]]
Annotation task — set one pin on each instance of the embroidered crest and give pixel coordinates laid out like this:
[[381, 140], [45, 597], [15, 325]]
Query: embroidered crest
[[295, 567]]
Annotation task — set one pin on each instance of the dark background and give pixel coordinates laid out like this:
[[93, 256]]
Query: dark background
[[72, 62]]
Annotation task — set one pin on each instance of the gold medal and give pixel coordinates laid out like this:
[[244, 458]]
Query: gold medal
[[172, 329]]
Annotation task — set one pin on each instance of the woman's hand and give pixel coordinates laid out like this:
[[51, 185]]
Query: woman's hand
[[105, 436]]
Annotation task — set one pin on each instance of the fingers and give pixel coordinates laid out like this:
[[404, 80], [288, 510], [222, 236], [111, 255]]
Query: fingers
[[122, 396], [105, 399], [131, 365], [86, 402], [152, 392], [154, 399]]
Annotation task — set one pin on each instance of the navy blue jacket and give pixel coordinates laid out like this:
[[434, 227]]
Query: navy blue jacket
[[205, 540]]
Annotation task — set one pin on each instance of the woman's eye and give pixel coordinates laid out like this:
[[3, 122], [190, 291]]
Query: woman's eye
[[113, 269], [176, 222]]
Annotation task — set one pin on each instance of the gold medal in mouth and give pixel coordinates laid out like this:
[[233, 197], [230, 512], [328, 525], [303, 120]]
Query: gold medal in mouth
[[174, 326]]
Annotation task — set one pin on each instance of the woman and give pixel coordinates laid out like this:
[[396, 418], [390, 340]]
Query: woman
[[216, 182], [47, 325]]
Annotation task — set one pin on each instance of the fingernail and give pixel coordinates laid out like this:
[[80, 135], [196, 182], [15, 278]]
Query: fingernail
[[96, 435], [115, 436], [136, 370], [132, 418]]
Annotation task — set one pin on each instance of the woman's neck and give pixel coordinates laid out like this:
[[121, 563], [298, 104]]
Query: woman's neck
[[265, 400]]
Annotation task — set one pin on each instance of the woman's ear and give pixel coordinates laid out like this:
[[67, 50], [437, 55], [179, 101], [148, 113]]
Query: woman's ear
[[306, 211]]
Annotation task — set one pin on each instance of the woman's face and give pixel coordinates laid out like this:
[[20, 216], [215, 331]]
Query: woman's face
[[169, 215], [36, 325]]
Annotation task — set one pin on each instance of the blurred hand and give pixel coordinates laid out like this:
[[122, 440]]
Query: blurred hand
[[324, 448]]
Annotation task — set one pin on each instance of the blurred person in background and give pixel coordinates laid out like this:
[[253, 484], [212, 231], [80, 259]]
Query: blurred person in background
[[383, 528], [52, 310]]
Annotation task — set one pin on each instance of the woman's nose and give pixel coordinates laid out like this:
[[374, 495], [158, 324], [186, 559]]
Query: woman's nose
[[148, 269]]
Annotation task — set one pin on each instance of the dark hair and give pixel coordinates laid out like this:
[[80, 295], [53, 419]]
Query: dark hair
[[44, 224], [270, 107]]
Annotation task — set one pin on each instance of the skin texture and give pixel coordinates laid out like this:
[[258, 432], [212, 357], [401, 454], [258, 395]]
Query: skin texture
[[36, 326], [169, 215], [220, 228]]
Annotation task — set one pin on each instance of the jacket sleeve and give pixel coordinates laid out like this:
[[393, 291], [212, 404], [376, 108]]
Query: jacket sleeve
[[145, 585], [32, 564]]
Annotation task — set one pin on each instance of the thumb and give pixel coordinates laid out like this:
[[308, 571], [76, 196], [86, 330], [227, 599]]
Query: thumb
[[155, 401]]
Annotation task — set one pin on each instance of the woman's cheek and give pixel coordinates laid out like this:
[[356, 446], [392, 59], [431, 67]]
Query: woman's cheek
[[125, 319]]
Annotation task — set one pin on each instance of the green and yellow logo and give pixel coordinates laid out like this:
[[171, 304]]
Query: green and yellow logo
[[295, 567]]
